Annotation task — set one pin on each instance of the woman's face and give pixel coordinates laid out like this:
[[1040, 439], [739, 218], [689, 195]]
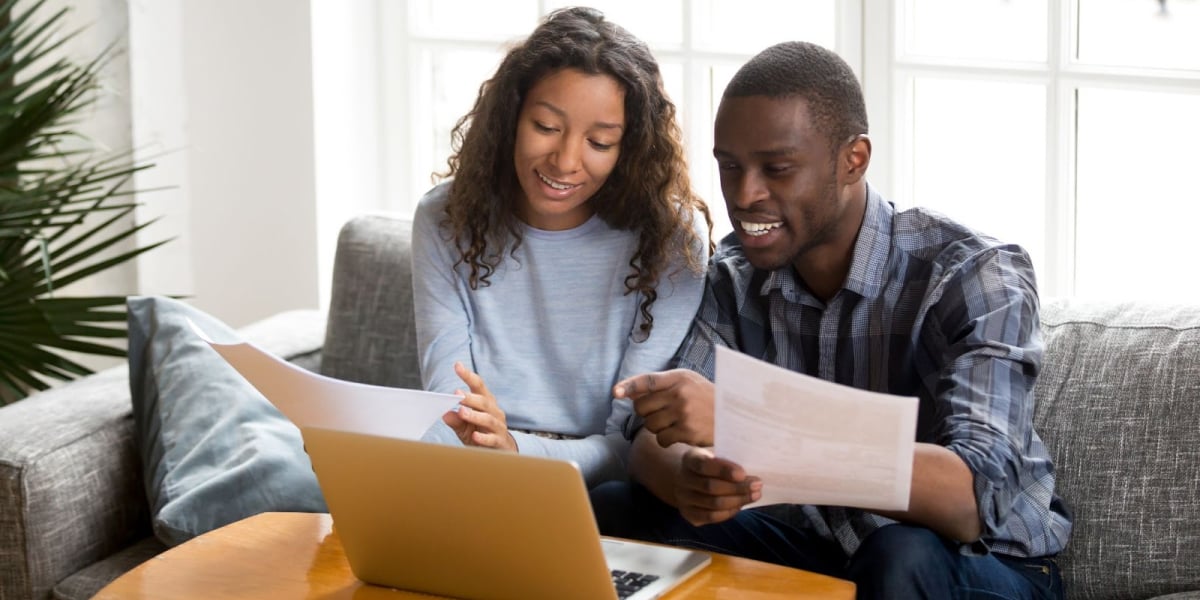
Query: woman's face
[[568, 140]]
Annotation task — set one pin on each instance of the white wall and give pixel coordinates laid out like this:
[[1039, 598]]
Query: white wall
[[222, 94], [347, 107]]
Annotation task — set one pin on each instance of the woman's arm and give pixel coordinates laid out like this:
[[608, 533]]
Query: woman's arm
[[442, 320]]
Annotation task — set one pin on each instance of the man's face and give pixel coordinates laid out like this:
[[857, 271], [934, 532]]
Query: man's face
[[779, 179]]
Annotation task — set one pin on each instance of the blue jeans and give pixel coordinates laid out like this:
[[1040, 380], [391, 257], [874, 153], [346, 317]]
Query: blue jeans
[[896, 561]]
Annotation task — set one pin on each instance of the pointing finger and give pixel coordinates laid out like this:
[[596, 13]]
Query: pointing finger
[[637, 385], [471, 378]]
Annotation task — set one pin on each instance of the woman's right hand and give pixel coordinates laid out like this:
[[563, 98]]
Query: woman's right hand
[[479, 421]]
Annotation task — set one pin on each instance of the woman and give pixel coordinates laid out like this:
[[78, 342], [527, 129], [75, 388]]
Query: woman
[[566, 252]]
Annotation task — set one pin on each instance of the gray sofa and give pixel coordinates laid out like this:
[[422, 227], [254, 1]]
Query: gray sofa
[[1117, 406]]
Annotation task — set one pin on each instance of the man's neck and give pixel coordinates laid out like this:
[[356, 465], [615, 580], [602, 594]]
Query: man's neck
[[824, 269]]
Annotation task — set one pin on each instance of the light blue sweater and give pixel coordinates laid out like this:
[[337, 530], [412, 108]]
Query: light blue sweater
[[550, 335]]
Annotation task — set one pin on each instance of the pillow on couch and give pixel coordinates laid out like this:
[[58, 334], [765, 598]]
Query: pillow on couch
[[213, 449]]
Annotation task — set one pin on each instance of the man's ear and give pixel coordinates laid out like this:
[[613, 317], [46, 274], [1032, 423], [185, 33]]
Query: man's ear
[[855, 158]]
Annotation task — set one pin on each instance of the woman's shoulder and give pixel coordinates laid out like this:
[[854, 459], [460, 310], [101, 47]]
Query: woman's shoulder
[[695, 218], [434, 201]]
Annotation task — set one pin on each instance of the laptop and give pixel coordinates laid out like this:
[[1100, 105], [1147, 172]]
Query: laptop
[[478, 524]]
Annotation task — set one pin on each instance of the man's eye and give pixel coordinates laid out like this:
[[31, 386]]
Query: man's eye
[[776, 168]]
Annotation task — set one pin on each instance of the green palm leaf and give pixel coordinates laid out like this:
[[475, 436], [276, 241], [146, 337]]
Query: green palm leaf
[[64, 208]]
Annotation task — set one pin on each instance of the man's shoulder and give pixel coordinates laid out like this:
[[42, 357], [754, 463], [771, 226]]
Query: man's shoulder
[[730, 273], [932, 236], [729, 260]]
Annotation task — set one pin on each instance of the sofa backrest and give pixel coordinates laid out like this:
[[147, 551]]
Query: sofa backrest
[[1118, 405], [371, 337]]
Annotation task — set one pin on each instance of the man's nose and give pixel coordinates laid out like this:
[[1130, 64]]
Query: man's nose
[[747, 190]]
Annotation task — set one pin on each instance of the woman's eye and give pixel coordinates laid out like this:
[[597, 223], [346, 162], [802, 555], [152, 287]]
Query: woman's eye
[[542, 127], [601, 146]]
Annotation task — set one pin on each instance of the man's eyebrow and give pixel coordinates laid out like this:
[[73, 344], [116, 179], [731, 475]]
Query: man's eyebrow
[[769, 153], [776, 152], [563, 114]]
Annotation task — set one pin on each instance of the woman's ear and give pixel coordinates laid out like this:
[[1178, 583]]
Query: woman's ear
[[855, 158]]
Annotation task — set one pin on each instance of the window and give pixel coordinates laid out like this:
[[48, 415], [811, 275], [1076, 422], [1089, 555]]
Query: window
[[1061, 125], [699, 45], [1065, 126]]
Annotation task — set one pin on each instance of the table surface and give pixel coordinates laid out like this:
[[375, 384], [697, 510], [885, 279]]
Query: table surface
[[298, 555]]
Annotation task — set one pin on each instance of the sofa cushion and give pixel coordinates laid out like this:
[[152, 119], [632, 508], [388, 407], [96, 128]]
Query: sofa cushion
[[85, 583], [214, 450], [371, 337], [1118, 405]]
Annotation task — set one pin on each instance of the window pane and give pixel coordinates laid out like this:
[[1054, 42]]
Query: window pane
[[748, 26], [1135, 217], [979, 157], [659, 23], [499, 21], [1006, 30], [704, 171], [1140, 34], [449, 80]]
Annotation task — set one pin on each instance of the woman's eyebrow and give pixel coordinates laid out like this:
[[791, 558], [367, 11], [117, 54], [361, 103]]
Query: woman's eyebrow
[[562, 113]]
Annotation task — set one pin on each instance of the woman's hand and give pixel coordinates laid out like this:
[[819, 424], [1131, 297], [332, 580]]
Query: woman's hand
[[479, 420]]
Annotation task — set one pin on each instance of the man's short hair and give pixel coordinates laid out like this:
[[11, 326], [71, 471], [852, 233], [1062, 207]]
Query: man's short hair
[[814, 73]]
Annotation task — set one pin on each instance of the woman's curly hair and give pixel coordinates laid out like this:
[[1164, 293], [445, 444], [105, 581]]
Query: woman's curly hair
[[648, 190]]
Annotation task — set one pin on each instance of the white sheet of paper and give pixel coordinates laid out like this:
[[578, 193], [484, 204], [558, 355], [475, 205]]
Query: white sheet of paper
[[311, 399], [812, 441]]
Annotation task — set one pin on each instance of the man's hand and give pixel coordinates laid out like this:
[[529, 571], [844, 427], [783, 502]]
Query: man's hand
[[677, 405], [479, 420], [711, 489]]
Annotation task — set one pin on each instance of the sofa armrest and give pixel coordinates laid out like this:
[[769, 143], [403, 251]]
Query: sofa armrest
[[71, 490], [70, 482]]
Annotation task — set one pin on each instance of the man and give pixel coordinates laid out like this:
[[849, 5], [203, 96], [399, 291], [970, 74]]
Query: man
[[824, 277]]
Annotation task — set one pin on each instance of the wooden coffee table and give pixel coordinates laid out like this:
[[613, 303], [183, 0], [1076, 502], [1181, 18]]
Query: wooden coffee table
[[298, 555]]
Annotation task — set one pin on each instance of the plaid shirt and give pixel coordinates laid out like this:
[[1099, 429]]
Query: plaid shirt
[[929, 309]]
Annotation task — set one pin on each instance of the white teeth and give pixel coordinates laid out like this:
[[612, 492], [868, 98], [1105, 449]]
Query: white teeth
[[554, 184], [757, 229]]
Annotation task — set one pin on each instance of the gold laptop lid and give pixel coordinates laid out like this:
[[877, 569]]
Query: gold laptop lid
[[457, 521]]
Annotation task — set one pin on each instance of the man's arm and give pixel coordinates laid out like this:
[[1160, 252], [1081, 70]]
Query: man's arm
[[942, 496], [984, 352], [677, 408], [657, 468], [704, 488]]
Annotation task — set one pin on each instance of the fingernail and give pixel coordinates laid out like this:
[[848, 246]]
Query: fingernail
[[619, 392], [756, 486]]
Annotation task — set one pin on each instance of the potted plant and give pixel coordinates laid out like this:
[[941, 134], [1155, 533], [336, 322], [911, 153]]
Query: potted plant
[[65, 210]]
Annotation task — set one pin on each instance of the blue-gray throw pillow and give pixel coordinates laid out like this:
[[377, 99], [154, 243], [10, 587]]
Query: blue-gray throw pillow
[[213, 449]]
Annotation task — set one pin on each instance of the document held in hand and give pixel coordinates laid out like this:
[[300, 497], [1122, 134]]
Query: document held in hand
[[307, 398], [812, 441]]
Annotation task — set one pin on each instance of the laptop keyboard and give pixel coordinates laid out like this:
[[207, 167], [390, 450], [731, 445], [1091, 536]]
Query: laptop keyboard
[[628, 582]]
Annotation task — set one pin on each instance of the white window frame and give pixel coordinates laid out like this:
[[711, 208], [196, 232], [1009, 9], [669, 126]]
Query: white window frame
[[889, 101], [400, 179]]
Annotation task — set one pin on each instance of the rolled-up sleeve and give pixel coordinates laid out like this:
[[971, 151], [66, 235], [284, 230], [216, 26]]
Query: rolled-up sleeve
[[987, 318]]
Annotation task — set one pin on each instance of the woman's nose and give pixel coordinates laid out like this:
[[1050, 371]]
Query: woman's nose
[[568, 157]]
